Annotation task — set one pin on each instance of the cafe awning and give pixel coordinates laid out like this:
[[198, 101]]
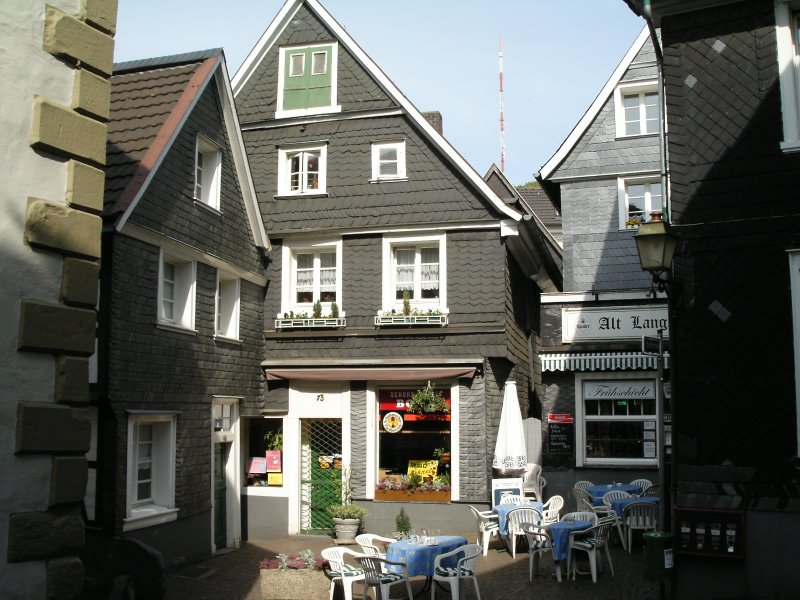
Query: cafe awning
[[375, 373]]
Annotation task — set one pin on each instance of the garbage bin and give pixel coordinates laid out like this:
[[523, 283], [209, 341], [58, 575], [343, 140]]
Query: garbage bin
[[657, 555]]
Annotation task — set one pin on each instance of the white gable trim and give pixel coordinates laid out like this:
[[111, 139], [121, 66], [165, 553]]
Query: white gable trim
[[283, 18], [589, 116]]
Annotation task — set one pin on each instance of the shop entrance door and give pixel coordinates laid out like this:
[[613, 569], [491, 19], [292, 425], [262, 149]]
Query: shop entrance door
[[221, 452], [320, 473]]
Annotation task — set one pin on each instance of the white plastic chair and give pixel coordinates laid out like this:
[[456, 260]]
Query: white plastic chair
[[488, 526], [530, 484], [512, 499], [551, 511], [342, 571], [583, 484], [516, 517], [654, 491], [583, 500], [590, 541], [581, 515], [609, 497], [373, 544], [465, 569], [642, 483], [639, 516], [539, 542], [378, 576]]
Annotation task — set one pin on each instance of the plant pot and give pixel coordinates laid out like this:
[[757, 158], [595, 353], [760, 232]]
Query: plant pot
[[346, 530], [404, 496], [293, 584]]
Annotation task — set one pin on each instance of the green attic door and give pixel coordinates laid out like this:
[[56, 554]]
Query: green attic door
[[308, 78]]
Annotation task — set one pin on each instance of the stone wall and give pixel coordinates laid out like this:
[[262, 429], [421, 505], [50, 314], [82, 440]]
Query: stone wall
[[55, 67]]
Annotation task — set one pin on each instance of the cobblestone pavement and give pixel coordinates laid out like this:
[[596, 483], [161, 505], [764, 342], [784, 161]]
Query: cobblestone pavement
[[234, 575]]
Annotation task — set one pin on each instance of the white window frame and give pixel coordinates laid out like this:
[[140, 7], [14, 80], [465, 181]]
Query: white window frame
[[184, 287], [389, 301], [280, 112], [161, 507], [794, 278], [787, 13], [400, 147], [284, 170], [208, 176], [639, 87], [288, 292], [622, 194], [580, 420], [227, 303]]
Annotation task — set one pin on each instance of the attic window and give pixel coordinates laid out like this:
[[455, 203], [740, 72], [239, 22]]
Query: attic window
[[307, 82]]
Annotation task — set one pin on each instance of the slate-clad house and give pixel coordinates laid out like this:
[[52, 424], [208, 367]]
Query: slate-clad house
[[182, 287], [730, 75], [599, 403], [366, 202]]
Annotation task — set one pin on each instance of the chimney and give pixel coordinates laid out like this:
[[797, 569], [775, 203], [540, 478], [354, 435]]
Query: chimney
[[435, 120]]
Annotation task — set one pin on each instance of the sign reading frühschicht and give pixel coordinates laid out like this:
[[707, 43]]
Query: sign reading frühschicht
[[619, 390]]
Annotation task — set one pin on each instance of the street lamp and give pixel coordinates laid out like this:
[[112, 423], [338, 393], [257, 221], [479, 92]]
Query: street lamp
[[656, 247]]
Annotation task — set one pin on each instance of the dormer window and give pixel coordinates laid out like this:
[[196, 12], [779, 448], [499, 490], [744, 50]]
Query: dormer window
[[307, 84]]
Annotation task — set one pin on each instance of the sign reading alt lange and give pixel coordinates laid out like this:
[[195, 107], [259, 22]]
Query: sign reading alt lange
[[595, 324]]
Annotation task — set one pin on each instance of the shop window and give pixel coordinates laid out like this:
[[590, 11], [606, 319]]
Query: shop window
[[617, 420], [408, 440], [264, 465]]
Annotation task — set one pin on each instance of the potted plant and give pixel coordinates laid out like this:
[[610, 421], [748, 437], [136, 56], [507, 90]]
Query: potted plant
[[294, 577], [442, 455], [427, 400], [402, 525], [346, 516]]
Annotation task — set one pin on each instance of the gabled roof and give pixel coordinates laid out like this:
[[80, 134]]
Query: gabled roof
[[284, 19], [589, 116], [151, 100]]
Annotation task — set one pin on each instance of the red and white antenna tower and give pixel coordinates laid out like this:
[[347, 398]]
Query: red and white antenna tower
[[502, 119]]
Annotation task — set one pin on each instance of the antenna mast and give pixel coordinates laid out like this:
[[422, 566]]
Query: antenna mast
[[502, 119]]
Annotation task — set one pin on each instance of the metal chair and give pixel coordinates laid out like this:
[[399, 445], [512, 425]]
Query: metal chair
[[590, 541], [488, 526], [642, 483], [639, 516], [342, 571], [516, 517], [465, 569], [373, 544], [539, 542], [378, 576]]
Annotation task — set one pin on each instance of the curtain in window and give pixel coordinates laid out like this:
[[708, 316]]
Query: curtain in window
[[327, 276], [305, 273], [430, 269], [404, 269]]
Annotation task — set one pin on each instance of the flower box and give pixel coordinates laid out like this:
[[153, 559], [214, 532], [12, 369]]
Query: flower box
[[310, 323], [415, 496], [293, 584], [399, 320]]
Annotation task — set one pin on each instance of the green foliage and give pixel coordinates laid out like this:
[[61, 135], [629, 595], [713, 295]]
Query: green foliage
[[334, 310], [274, 440], [402, 523], [427, 400], [317, 310], [406, 303], [346, 511]]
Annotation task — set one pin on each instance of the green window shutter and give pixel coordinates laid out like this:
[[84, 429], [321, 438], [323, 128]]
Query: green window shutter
[[307, 78]]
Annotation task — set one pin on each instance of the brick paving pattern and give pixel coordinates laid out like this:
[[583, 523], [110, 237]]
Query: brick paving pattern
[[234, 575]]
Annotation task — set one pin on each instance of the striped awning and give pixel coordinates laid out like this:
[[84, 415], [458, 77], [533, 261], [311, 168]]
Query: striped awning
[[600, 361]]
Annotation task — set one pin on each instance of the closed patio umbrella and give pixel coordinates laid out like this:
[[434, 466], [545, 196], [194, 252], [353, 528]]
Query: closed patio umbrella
[[510, 455]]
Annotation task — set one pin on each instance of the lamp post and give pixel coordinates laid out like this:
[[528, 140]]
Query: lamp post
[[656, 247]]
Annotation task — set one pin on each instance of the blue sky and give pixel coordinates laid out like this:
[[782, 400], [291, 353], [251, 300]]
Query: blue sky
[[443, 55]]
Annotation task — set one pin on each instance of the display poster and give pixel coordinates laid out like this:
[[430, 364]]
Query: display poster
[[256, 465], [423, 468], [274, 478], [504, 487], [273, 461]]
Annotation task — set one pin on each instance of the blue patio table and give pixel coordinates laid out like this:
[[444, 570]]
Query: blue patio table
[[597, 491], [502, 510], [420, 557], [559, 533]]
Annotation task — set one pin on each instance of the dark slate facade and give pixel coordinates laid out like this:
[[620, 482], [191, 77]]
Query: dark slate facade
[[734, 201], [338, 372], [161, 384], [588, 340]]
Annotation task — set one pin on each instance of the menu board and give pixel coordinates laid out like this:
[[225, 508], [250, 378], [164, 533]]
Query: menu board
[[560, 434]]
